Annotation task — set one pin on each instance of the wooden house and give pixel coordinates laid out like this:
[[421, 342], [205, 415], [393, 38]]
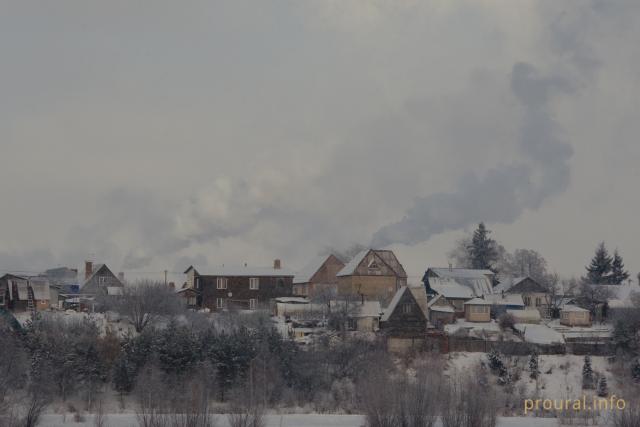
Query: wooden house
[[373, 275], [534, 295], [318, 278], [22, 293], [440, 312], [99, 280], [240, 288], [572, 315], [477, 310], [404, 317]]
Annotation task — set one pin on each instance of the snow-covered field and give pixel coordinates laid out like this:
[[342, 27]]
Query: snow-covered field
[[307, 420]]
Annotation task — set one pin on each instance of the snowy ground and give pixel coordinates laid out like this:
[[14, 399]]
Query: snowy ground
[[310, 420]]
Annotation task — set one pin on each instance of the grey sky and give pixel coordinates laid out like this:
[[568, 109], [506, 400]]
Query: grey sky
[[154, 134]]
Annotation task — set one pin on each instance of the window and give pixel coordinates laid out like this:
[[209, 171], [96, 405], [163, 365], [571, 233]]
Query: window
[[219, 302], [253, 303], [1, 300], [373, 264], [538, 301], [527, 300], [221, 283], [102, 280], [407, 308], [254, 282], [191, 301]]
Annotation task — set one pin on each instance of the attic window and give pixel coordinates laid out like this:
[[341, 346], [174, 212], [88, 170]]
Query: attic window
[[407, 308], [373, 265]]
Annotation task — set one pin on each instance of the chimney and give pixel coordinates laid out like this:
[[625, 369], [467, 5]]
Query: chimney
[[88, 269], [172, 285], [450, 267], [276, 264], [121, 276]]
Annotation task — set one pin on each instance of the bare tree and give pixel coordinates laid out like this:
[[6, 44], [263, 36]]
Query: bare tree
[[145, 302], [13, 366]]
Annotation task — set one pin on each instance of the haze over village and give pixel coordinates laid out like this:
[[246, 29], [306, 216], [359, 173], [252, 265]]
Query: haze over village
[[299, 213]]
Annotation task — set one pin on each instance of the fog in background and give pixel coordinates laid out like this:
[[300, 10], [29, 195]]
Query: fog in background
[[154, 135]]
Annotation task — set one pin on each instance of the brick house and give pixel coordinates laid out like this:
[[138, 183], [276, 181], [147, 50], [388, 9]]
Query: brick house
[[318, 277], [240, 288], [372, 274]]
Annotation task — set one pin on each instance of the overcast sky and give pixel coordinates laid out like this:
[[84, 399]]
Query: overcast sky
[[155, 134]]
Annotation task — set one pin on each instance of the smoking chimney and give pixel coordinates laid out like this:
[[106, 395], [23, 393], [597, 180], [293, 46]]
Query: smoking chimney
[[88, 269], [276, 264]]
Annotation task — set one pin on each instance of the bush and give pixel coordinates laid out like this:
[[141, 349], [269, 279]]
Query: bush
[[506, 321]]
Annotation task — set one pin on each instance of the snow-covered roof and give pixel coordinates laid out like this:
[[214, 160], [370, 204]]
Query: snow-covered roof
[[351, 266], [506, 299], [478, 301], [312, 267], [573, 308], [242, 271], [442, 308], [41, 291], [479, 281], [467, 273], [449, 288], [539, 334]]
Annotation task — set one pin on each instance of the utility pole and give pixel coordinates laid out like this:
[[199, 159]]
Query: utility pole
[[165, 277]]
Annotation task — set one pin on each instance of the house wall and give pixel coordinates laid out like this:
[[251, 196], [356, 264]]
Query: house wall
[[372, 287], [268, 288], [575, 318], [406, 322], [368, 324], [96, 285], [477, 313]]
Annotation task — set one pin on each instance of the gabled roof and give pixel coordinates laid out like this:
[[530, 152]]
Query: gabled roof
[[449, 288], [506, 299], [308, 271], [386, 256], [478, 281], [393, 304], [351, 266], [241, 271], [573, 308], [518, 285], [466, 273], [97, 269]]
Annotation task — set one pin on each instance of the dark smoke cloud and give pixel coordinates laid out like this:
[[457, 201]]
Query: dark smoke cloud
[[504, 192]]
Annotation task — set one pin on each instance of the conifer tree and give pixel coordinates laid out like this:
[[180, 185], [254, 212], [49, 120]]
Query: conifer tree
[[600, 267], [618, 273], [483, 251], [603, 389], [587, 374]]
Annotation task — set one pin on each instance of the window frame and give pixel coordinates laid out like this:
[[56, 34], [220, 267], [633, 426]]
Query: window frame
[[254, 283], [253, 303], [221, 283], [220, 303]]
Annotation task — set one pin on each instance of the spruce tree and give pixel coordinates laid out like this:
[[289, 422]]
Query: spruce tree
[[600, 267], [618, 273], [587, 374], [483, 251], [603, 389]]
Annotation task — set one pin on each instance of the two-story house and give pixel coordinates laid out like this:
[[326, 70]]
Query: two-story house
[[372, 274], [100, 280], [243, 288]]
